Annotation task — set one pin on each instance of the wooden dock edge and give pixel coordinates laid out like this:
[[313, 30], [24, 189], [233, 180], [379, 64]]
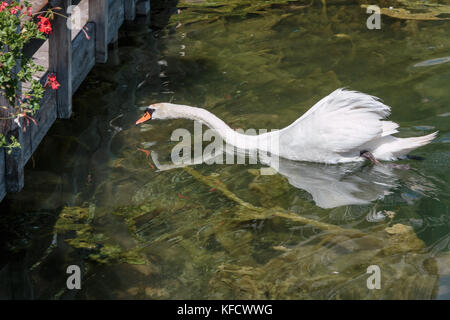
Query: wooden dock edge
[[71, 60]]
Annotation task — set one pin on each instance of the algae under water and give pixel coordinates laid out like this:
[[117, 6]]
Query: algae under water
[[93, 198]]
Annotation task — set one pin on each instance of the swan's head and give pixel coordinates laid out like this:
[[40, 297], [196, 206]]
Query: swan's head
[[159, 111]]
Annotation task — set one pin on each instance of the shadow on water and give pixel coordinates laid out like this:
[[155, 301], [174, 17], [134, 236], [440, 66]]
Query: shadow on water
[[94, 198]]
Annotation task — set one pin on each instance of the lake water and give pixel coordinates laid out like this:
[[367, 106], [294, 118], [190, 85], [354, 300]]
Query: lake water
[[94, 198]]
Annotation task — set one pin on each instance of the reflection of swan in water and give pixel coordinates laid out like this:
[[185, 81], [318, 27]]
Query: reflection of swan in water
[[329, 185], [334, 186]]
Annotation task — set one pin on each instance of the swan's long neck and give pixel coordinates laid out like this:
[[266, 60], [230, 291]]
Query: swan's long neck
[[231, 137]]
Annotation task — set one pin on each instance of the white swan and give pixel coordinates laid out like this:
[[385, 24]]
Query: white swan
[[345, 126]]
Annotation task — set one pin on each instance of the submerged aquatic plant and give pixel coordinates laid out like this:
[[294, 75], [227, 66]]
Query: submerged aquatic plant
[[416, 10], [77, 220], [210, 10]]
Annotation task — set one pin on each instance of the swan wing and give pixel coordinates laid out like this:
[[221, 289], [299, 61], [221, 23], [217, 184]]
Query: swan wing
[[345, 120]]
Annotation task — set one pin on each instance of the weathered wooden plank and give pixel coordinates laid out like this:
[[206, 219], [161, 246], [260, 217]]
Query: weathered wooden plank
[[114, 41], [37, 5], [28, 128], [14, 178], [130, 9], [4, 127], [44, 118], [143, 7], [2, 174], [98, 13], [83, 55], [32, 47], [60, 59], [26, 145], [115, 18], [14, 173]]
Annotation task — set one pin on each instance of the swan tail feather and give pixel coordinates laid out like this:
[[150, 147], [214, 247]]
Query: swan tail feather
[[388, 128], [406, 145]]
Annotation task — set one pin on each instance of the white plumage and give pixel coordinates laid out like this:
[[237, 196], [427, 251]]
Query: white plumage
[[341, 125], [335, 130]]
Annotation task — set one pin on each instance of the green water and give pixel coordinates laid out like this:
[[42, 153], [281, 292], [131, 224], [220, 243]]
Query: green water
[[93, 199]]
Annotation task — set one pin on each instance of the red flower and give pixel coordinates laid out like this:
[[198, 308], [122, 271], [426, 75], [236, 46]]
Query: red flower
[[51, 80], [29, 11], [44, 25], [15, 9], [84, 29], [3, 5]]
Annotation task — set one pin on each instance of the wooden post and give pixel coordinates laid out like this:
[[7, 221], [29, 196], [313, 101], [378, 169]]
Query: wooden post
[[12, 162], [143, 7], [130, 9], [14, 171], [60, 58], [83, 55], [98, 13], [2, 174]]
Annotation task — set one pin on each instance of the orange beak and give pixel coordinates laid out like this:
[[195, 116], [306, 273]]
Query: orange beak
[[147, 116]]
